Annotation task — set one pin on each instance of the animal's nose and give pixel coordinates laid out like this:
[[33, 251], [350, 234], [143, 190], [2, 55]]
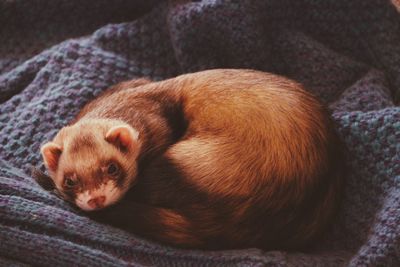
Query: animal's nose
[[96, 202]]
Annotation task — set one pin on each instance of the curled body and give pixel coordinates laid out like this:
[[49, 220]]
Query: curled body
[[217, 159]]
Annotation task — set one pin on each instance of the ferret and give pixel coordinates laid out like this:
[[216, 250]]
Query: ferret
[[217, 159]]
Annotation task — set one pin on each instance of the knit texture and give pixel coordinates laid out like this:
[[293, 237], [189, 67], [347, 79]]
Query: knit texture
[[56, 55]]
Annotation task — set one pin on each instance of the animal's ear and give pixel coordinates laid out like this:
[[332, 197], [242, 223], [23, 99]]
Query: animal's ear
[[123, 136], [43, 180], [51, 153]]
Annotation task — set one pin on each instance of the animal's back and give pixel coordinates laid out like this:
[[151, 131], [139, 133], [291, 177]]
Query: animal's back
[[247, 127], [258, 158]]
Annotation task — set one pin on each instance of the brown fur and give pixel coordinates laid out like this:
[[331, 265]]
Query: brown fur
[[228, 159]]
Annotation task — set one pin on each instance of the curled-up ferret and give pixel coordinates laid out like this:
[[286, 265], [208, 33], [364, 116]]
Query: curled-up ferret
[[218, 159]]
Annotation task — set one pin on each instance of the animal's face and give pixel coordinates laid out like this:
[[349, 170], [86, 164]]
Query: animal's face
[[93, 164]]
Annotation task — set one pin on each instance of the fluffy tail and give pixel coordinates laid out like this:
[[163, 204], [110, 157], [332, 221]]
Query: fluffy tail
[[159, 224]]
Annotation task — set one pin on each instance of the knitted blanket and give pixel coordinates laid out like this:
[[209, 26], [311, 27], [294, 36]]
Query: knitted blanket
[[55, 55]]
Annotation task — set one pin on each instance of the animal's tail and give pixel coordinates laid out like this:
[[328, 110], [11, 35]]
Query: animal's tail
[[159, 224]]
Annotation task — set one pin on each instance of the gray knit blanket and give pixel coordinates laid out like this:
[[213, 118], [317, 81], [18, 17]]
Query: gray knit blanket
[[56, 55]]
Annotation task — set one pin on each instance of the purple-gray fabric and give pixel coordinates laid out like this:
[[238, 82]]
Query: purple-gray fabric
[[55, 55]]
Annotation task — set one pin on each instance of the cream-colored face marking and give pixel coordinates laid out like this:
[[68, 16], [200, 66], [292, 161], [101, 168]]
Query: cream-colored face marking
[[108, 190]]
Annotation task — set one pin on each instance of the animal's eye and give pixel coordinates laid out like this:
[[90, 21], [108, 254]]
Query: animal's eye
[[69, 182], [113, 169]]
